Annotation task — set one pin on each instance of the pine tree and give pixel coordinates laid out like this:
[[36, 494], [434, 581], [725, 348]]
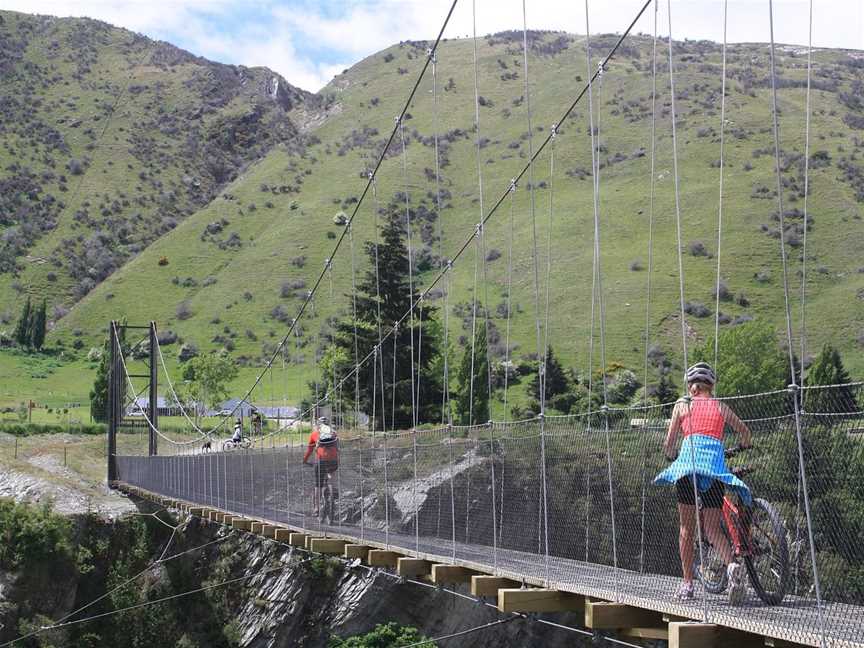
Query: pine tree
[[22, 326], [38, 325], [556, 379], [472, 397], [828, 369], [391, 281]]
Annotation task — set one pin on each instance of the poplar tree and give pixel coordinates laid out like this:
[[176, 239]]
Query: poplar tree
[[22, 326], [472, 397], [38, 326]]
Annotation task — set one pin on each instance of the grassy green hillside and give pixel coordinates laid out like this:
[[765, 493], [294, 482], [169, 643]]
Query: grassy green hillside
[[237, 268], [108, 141]]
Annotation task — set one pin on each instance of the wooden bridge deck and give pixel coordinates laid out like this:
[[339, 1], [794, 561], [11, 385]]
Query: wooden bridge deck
[[795, 621]]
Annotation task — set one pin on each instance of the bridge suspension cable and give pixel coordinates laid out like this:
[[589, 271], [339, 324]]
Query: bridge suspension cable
[[794, 387], [720, 203]]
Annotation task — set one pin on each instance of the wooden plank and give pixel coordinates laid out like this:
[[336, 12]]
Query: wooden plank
[[482, 585], [241, 523], [609, 616], [269, 530], [693, 635], [539, 600], [327, 546], [410, 567], [282, 535], [658, 634], [447, 574], [213, 516], [255, 527], [382, 558], [297, 539], [357, 551]]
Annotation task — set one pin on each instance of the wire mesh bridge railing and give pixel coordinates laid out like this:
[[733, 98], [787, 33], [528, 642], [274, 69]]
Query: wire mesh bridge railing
[[570, 502]]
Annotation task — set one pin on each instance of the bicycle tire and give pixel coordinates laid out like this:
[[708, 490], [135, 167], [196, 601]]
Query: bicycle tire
[[720, 580], [774, 530]]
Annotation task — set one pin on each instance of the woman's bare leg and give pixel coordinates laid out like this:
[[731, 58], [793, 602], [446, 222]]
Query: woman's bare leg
[[714, 530], [687, 530]]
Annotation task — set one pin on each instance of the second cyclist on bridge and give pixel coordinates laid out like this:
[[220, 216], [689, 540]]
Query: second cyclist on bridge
[[325, 444]]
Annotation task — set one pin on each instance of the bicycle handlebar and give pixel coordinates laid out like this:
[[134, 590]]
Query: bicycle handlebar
[[731, 452]]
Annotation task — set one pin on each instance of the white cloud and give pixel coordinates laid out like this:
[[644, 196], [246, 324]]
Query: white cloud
[[309, 42]]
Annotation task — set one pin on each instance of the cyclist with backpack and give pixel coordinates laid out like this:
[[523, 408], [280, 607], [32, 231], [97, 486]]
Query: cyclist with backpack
[[701, 419], [325, 444]]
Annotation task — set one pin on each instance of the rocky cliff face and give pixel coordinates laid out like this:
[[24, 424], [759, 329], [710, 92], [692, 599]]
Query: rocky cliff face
[[279, 598]]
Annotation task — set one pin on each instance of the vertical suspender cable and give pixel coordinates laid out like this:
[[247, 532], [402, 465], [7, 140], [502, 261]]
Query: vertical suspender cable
[[541, 368], [482, 211], [650, 270], [806, 197], [677, 194], [794, 387], [380, 348], [414, 492], [452, 490], [393, 393], [554, 131], [600, 301], [509, 299], [470, 420], [720, 207], [410, 273], [681, 284], [446, 411], [802, 356]]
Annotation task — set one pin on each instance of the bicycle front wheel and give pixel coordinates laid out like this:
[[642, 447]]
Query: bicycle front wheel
[[768, 561], [712, 572]]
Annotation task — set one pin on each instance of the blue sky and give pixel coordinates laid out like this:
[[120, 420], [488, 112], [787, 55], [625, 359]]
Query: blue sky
[[309, 42]]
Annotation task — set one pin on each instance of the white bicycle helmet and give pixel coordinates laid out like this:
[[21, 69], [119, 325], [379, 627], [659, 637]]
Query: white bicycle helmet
[[701, 372]]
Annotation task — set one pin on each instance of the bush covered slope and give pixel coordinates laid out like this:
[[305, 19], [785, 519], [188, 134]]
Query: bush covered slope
[[109, 140]]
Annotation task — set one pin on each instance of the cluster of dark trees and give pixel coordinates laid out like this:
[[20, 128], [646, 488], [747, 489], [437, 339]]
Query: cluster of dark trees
[[31, 326]]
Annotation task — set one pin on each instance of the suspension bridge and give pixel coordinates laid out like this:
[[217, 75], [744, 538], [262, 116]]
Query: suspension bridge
[[551, 513]]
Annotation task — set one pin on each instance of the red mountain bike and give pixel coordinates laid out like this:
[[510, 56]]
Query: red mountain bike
[[757, 535]]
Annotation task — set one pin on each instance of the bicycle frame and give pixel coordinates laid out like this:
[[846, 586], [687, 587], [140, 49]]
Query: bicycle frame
[[739, 533]]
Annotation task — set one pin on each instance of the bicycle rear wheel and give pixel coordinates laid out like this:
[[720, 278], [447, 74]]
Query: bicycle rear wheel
[[768, 564]]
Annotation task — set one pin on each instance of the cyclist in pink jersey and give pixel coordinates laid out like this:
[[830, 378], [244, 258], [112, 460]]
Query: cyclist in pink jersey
[[700, 465]]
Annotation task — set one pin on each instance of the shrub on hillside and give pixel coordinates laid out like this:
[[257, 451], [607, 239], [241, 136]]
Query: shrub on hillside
[[493, 254], [696, 309], [187, 352], [697, 248], [723, 290], [32, 534], [33, 429], [184, 311]]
